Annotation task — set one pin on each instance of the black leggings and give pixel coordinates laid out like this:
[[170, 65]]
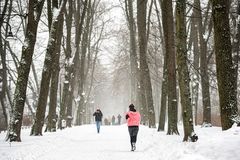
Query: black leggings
[[133, 131], [133, 139]]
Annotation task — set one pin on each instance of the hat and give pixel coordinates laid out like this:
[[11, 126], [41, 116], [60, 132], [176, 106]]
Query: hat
[[131, 106]]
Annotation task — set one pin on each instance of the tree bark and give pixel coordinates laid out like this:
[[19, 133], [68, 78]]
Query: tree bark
[[162, 116], [144, 70], [183, 73], [133, 50], [67, 75], [224, 64], [46, 73], [81, 93], [196, 52], [34, 12], [76, 59], [203, 68], [168, 29], [52, 115]]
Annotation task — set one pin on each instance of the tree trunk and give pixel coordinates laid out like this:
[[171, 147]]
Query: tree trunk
[[3, 82], [68, 53], [183, 73], [235, 45], [81, 93], [167, 20], [46, 73], [224, 64], [162, 116], [196, 52], [52, 116], [144, 70], [133, 50], [203, 68], [34, 12], [76, 62]]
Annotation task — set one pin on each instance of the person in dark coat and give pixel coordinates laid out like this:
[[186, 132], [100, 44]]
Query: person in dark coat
[[119, 119], [98, 118]]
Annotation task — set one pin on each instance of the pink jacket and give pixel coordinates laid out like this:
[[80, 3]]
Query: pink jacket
[[133, 119]]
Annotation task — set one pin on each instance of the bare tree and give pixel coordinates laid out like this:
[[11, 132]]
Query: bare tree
[[34, 12], [52, 115], [47, 68], [82, 71], [3, 69], [79, 18], [145, 82], [183, 73], [224, 63], [203, 68], [68, 70], [168, 30], [133, 49]]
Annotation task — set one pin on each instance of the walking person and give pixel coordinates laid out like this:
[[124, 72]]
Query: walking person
[[113, 120], [133, 121], [98, 118], [119, 119]]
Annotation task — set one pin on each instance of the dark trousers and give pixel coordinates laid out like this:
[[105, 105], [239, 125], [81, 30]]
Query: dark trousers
[[133, 131]]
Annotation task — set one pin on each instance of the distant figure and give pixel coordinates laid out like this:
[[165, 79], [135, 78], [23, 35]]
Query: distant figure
[[106, 121], [133, 121], [119, 119], [113, 120], [64, 124], [98, 118]]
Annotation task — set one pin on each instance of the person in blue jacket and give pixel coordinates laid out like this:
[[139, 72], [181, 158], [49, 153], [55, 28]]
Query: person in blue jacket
[[98, 118]]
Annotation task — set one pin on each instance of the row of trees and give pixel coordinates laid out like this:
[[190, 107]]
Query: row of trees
[[179, 46], [76, 30], [188, 46]]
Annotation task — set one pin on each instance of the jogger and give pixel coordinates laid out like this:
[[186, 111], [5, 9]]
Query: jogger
[[133, 121]]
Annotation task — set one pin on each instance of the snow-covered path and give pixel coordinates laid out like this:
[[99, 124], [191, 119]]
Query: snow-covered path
[[113, 144]]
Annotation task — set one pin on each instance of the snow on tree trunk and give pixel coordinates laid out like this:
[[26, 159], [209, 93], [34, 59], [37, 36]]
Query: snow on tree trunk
[[46, 73], [24, 69], [52, 116], [224, 64], [183, 73]]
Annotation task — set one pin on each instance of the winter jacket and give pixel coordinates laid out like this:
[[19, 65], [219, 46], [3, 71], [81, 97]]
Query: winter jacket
[[98, 115], [133, 118]]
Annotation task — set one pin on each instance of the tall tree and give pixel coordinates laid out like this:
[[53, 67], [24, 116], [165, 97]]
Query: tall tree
[[183, 73], [236, 41], [168, 29], [203, 67], [133, 49], [34, 13], [146, 87], [3, 48], [52, 115], [47, 68], [163, 104], [224, 63], [195, 80], [79, 18], [67, 75], [82, 72]]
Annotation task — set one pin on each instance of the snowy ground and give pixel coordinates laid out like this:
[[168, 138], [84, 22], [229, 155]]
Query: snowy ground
[[113, 144]]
